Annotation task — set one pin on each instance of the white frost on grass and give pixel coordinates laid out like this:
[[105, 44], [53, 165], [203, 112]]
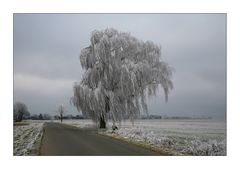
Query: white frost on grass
[[180, 136], [188, 137], [27, 137], [81, 123]]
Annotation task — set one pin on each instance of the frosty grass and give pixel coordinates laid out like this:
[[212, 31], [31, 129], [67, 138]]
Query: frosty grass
[[27, 138], [180, 137]]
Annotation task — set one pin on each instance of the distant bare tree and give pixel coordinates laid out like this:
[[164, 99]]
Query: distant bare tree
[[19, 110], [61, 110], [40, 117]]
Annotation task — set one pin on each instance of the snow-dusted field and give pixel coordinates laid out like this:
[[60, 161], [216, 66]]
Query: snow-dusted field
[[187, 137], [194, 137], [27, 137], [83, 123], [179, 137]]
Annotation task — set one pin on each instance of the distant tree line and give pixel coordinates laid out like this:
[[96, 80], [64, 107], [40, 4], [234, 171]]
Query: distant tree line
[[49, 117], [20, 112]]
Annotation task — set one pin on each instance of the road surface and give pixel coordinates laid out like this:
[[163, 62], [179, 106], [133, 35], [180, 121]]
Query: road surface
[[61, 139]]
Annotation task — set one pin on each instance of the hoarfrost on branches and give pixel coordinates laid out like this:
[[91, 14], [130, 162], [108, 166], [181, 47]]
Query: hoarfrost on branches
[[19, 110], [120, 72]]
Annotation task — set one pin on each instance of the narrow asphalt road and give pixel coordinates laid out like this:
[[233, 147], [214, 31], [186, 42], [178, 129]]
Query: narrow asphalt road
[[61, 139]]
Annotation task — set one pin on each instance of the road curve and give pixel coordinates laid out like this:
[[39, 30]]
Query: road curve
[[61, 139]]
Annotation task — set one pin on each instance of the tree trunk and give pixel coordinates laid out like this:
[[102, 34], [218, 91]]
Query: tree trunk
[[61, 118], [102, 122]]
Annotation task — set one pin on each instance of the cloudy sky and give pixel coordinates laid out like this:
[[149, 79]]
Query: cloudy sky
[[47, 48]]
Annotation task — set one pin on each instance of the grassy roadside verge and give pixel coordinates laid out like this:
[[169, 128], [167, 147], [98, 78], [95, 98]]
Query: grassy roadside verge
[[27, 138], [160, 150]]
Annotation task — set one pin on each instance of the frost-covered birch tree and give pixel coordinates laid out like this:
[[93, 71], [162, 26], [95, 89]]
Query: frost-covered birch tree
[[120, 73]]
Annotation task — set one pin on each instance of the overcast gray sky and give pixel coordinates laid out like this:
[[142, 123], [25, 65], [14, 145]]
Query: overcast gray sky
[[47, 48]]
